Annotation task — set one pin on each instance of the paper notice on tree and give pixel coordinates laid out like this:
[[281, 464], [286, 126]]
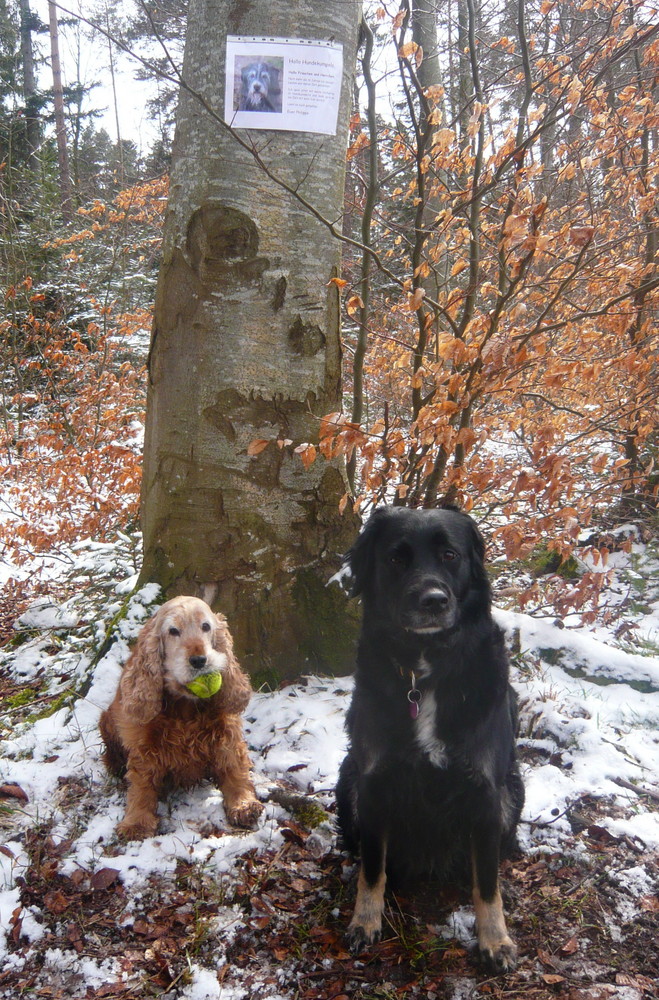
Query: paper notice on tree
[[287, 84]]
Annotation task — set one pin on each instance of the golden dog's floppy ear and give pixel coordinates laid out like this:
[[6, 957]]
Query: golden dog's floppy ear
[[236, 689], [141, 683]]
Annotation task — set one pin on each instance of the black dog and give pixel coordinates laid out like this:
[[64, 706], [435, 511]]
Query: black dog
[[259, 87], [431, 783]]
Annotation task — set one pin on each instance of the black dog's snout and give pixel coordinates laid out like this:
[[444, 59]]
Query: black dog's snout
[[428, 606], [198, 662], [433, 600]]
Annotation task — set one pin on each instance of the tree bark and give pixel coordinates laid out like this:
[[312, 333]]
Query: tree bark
[[246, 347]]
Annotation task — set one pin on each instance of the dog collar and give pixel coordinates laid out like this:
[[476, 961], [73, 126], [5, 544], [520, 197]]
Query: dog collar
[[414, 697]]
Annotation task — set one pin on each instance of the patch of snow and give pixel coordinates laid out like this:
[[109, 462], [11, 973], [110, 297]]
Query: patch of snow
[[581, 652], [30, 660], [204, 986], [10, 900], [45, 614], [459, 926], [31, 928]]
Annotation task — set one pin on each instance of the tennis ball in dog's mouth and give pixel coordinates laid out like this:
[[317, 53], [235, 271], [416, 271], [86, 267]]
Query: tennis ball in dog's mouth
[[205, 686]]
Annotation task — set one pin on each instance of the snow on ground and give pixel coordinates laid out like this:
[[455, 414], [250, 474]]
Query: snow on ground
[[604, 732], [589, 721]]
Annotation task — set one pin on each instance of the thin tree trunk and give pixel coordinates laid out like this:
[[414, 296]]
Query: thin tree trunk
[[32, 123], [60, 123], [424, 33], [120, 145], [372, 192], [636, 494]]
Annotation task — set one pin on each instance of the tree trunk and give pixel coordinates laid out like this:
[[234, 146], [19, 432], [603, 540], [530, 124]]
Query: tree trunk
[[424, 30], [32, 122], [424, 33], [464, 93], [115, 102], [60, 124], [246, 348]]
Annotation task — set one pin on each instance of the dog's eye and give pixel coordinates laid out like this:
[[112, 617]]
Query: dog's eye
[[174, 631], [448, 555], [205, 627], [399, 556]]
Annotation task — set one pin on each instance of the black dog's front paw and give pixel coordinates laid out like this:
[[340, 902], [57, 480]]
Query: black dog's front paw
[[359, 937]]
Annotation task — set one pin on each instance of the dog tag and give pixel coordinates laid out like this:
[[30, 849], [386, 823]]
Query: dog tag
[[414, 698]]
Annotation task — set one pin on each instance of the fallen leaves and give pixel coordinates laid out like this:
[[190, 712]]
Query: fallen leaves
[[289, 911], [103, 879], [14, 792], [56, 902], [570, 947]]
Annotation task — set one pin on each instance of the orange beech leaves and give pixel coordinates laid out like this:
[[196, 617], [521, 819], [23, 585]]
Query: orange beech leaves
[[71, 456], [74, 392], [514, 368]]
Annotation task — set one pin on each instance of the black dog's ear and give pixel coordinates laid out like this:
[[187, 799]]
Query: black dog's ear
[[360, 556], [475, 537], [477, 540], [478, 571]]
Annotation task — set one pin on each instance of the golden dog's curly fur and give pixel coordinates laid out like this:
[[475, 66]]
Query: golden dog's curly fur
[[157, 732]]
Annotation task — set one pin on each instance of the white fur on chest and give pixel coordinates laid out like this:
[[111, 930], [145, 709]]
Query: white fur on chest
[[425, 734]]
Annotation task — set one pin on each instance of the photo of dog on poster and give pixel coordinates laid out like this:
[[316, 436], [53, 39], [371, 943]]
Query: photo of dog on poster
[[258, 83]]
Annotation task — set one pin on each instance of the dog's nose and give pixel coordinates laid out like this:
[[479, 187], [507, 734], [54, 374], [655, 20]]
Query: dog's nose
[[198, 662], [433, 600]]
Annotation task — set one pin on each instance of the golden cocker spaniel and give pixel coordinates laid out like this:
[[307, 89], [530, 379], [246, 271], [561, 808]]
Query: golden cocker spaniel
[[158, 732]]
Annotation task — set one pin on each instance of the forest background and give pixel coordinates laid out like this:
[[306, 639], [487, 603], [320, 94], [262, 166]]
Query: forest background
[[499, 284]]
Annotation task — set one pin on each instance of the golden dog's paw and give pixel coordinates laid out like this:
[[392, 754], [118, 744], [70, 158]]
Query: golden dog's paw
[[137, 829], [245, 814]]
